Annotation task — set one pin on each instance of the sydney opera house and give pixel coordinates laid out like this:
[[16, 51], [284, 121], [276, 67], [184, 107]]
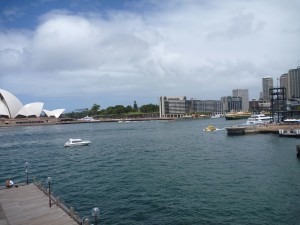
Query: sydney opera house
[[12, 111]]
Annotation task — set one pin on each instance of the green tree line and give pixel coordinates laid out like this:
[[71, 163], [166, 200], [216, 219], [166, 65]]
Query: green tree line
[[115, 111]]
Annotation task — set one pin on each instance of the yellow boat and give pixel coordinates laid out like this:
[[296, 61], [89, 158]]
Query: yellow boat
[[210, 128]]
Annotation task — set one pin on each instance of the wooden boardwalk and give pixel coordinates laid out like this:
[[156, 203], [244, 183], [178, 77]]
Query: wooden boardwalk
[[28, 205]]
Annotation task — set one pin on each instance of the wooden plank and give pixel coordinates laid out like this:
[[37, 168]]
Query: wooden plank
[[29, 205]]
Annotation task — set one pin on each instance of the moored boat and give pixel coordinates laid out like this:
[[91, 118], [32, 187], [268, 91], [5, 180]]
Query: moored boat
[[76, 142], [215, 116], [259, 119], [237, 115]]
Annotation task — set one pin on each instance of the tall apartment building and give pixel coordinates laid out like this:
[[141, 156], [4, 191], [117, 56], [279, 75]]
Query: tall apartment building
[[294, 83], [284, 82], [244, 94], [267, 83]]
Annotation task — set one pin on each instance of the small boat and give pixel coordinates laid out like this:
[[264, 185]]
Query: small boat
[[76, 142], [210, 128], [215, 116], [292, 121], [289, 133]]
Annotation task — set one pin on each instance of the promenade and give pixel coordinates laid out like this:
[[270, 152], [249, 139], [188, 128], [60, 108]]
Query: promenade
[[28, 205]]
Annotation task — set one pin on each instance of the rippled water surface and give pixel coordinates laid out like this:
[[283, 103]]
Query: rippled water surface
[[161, 172]]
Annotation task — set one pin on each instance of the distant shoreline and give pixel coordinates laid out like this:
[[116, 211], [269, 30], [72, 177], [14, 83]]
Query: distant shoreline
[[43, 121]]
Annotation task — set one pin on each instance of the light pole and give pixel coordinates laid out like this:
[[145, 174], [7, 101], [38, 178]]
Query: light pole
[[86, 221], [48, 180], [26, 171], [95, 213]]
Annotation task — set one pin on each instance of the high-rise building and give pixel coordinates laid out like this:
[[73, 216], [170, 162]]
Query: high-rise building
[[284, 82], [243, 93], [294, 83], [267, 83]]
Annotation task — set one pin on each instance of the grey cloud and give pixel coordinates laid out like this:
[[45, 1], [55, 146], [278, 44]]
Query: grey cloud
[[241, 25], [159, 53]]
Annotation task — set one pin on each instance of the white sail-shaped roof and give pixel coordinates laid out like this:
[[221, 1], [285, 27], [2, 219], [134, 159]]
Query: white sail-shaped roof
[[10, 102], [56, 113], [3, 109], [32, 109]]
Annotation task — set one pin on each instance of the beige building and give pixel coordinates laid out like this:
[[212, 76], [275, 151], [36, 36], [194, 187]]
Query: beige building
[[293, 83], [244, 94], [267, 83]]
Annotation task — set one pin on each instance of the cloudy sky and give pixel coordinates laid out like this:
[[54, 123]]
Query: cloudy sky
[[72, 54]]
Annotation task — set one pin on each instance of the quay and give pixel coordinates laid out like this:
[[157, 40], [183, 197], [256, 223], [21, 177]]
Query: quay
[[260, 129], [28, 205], [43, 121]]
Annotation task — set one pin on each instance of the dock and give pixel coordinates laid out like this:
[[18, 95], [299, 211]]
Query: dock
[[29, 205], [260, 129]]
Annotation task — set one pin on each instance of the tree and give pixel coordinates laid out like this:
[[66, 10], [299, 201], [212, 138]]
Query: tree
[[135, 107], [119, 109], [128, 109], [149, 108], [94, 110]]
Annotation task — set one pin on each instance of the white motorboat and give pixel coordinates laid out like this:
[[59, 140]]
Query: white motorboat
[[292, 121], [76, 142], [259, 119]]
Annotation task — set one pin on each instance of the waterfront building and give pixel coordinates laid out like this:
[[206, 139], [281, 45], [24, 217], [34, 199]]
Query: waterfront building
[[205, 106], [294, 83], [244, 94], [267, 84], [172, 106], [232, 104], [179, 106], [11, 107]]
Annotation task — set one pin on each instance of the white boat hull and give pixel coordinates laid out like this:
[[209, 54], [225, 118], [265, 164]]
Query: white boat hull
[[76, 142]]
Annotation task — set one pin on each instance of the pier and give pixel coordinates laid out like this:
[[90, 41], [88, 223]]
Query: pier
[[29, 204], [259, 129]]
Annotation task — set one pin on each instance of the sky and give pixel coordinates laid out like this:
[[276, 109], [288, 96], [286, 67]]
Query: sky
[[75, 53]]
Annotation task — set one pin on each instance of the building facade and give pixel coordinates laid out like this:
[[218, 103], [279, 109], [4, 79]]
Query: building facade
[[172, 106], [267, 84], [244, 94], [232, 104], [284, 81], [293, 89], [179, 106]]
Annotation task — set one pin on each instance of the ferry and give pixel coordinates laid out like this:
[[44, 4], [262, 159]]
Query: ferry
[[237, 115]]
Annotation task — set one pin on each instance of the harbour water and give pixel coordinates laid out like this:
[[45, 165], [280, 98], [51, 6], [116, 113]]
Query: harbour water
[[159, 172]]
